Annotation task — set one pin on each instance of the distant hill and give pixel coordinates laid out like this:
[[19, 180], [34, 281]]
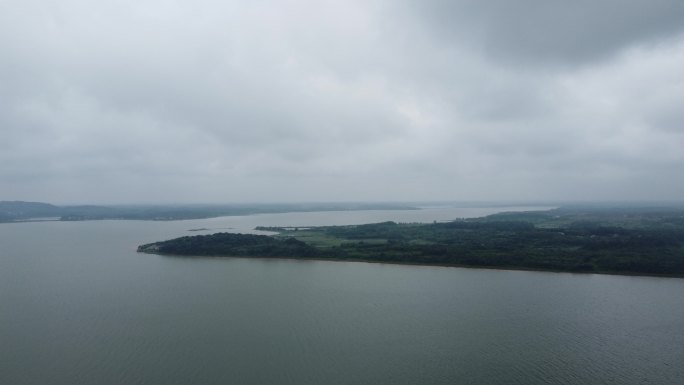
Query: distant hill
[[16, 211]]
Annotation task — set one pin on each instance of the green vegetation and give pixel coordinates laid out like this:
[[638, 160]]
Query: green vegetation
[[611, 240], [243, 245]]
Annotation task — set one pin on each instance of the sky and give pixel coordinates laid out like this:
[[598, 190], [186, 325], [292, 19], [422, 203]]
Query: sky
[[150, 101]]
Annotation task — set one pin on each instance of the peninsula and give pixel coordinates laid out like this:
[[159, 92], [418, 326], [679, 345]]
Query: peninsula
[[634, 240]]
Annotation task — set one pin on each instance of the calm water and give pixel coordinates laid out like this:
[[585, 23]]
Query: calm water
[[78, 305]]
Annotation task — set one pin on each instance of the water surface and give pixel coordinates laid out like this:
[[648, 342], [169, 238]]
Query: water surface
[[78, 305]]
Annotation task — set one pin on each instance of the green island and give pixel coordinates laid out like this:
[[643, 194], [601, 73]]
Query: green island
[[631, 240]]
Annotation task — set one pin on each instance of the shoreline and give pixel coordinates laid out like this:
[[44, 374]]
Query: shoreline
[[401, 263]]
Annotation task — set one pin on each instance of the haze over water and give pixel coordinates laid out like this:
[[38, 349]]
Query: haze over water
[[78, 305]]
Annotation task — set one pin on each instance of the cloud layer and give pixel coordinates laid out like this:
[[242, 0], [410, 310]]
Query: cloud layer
[[152, 101]]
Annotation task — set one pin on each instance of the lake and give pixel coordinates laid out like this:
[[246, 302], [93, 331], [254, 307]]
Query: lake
[[78, 305]]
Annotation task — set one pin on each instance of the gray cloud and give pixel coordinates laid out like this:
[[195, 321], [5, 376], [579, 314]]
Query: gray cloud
[[556, 32], [340, 100]]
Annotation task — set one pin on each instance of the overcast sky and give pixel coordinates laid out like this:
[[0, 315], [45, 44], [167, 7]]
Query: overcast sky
[[144, 101]]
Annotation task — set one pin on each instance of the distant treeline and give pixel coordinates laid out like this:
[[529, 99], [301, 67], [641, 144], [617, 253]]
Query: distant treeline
[[634, 240], [16, 211], [243, 245]]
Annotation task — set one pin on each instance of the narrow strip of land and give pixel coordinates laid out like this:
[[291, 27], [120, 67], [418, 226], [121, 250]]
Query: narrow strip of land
[[18, 211]]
